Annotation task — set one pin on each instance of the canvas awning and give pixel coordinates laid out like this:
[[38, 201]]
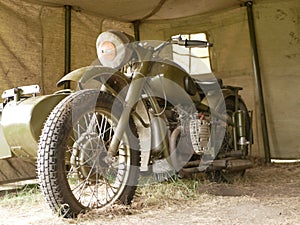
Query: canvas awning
[[132, 10]]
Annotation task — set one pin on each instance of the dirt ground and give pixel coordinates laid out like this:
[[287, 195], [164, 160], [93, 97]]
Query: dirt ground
[[266, 195]]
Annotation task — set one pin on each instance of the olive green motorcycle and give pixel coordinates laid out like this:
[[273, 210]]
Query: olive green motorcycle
[[138, 114]]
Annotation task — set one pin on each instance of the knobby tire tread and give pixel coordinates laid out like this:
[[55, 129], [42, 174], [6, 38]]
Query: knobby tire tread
[[48, 156]]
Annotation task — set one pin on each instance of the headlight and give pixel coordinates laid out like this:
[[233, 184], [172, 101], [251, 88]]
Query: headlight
[[112, 48], [107, 51]]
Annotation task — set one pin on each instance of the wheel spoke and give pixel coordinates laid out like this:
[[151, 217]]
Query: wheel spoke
[[100, 184], [76, 138]]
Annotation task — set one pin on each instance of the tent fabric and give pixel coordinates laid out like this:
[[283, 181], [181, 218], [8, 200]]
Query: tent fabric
[[19, 34], [32, 43], [132, 10]]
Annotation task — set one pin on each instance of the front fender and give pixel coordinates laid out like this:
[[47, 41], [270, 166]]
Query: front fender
[[111, 79]]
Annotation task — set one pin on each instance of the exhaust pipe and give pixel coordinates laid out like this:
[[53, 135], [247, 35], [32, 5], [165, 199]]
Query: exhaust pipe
[[219, 164], [238, 164]]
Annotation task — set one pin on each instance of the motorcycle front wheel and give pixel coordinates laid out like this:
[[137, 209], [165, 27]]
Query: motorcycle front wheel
[[73, 169]]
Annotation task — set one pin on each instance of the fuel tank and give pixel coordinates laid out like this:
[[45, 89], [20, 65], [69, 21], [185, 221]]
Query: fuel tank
[[167, 78], [22, 122]]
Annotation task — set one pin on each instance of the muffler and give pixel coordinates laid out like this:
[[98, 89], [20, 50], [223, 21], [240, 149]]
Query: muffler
[[229, 164], [238, 164]]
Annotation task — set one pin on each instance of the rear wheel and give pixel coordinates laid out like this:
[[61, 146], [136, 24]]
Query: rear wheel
[[73, 171], [228, 143]]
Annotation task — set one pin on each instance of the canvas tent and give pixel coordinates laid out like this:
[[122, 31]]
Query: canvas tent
[[32, 48]]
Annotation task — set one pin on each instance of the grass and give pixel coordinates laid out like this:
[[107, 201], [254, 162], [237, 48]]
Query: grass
[[28, 194], [153, 200], [147, 197], [173, 190], [167, 192]]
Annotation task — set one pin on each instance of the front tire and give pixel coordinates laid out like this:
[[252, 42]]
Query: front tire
[[73, 173]]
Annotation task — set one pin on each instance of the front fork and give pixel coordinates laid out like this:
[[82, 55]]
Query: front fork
[[132, 96]]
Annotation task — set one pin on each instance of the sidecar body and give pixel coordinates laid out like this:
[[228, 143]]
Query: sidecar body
[[22, 116]]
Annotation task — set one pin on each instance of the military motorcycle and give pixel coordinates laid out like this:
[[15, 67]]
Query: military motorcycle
[[138, 113]]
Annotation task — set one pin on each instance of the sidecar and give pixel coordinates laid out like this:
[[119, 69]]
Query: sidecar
[[22, 115]]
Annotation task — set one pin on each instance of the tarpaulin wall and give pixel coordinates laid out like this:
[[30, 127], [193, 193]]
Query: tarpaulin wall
[[32, 43]]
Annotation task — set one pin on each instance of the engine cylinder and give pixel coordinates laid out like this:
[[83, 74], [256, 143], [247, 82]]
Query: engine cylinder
[[200, 135]]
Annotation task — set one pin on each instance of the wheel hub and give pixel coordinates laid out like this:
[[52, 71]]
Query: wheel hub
[[91, 155]]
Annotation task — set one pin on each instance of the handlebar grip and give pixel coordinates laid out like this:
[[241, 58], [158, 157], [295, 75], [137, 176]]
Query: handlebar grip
[[192, 43]]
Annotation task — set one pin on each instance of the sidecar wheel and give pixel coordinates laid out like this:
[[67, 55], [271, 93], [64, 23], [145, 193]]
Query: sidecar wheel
[[73, 169]]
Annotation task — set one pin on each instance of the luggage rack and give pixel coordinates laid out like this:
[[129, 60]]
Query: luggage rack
[[19, 92]]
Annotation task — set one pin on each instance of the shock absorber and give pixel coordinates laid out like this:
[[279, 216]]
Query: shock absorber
[[240, 130]]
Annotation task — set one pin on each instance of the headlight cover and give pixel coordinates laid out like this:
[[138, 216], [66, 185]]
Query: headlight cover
[[113, 49]]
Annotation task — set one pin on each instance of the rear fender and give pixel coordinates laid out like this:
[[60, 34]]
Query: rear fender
[[216, 100]]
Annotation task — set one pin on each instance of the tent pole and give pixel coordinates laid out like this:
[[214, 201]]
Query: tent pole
[[136, 26], [68, 10], [257, 75]]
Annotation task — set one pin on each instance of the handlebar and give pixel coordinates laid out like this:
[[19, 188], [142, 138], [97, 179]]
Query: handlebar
[[191, 43], [186, 43]]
